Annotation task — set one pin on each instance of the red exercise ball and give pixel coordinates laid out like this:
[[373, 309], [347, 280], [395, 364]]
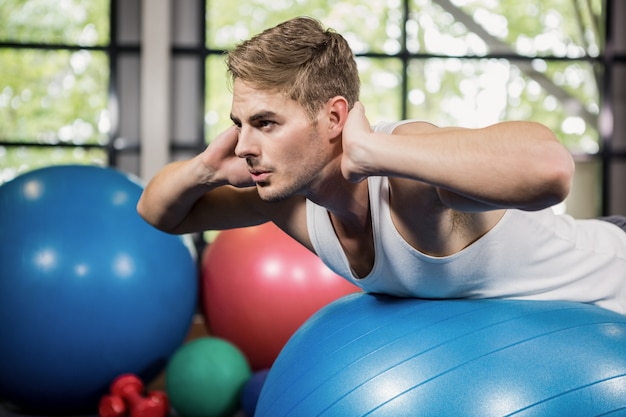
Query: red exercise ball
[[260, 286]]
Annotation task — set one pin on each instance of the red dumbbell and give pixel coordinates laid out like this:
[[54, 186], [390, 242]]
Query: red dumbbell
[[127, 395], [112, 406]]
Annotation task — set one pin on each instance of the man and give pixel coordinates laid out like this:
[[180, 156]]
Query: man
[[407, 209]]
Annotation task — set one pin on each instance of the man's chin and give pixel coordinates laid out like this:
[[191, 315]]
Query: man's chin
[[264, 191], [267, 195]]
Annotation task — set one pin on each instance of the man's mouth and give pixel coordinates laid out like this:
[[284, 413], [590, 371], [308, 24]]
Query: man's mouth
[[259, 176]]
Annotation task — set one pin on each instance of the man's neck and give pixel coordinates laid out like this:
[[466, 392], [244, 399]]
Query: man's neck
[[348, 204]]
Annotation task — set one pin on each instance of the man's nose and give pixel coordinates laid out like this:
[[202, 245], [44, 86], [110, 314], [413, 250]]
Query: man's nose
[[246, 145]]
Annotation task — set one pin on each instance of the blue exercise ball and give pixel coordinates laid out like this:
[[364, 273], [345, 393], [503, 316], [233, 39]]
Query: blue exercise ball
[[88, 290], [251, 391], [369, 355]]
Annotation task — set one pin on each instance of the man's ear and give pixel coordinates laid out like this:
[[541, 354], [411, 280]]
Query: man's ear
[[337, 112]]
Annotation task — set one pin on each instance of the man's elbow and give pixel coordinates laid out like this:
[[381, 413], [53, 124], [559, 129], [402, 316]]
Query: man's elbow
[[143, 209], [559, 175], [144, 213]]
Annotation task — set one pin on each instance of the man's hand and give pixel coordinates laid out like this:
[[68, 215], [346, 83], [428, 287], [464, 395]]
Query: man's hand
[[220, 160], [356, 133]]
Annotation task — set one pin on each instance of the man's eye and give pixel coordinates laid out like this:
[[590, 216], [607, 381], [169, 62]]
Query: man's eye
[[266, 123]]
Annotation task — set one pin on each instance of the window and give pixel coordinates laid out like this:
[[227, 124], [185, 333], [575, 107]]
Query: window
[[54, 84]]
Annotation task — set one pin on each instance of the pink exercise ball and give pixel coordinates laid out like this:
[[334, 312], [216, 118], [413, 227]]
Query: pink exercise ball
[[260, 286]]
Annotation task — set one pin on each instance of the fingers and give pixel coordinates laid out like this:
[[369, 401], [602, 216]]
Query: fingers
[[358, 106], [231, 132]]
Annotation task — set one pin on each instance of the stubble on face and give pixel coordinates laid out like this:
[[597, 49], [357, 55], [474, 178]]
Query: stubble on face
[[297, 171], [287, 156]]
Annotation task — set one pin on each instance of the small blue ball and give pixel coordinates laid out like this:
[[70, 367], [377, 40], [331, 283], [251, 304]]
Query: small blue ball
[[382, 356], [251, 391]]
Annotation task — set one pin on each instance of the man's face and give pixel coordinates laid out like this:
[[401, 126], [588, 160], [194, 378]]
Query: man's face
[[283, 148]]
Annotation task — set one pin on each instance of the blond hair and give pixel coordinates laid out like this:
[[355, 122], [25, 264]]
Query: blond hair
[[300, 59]]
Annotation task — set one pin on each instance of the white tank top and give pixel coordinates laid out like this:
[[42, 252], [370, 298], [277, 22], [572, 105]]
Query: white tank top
[[527, 255]]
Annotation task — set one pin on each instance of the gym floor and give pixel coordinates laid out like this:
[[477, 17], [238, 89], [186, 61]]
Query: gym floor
[[4, 412], [7, 413]]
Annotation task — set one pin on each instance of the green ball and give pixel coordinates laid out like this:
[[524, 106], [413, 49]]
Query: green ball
[[204, 378]]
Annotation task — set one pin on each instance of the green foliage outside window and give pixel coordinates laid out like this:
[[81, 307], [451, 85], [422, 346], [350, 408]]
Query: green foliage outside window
[[53, 90], [63, 22], [562, 93], [54, 96]]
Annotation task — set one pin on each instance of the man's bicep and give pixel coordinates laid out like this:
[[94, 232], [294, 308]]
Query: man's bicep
[[420, 127]]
